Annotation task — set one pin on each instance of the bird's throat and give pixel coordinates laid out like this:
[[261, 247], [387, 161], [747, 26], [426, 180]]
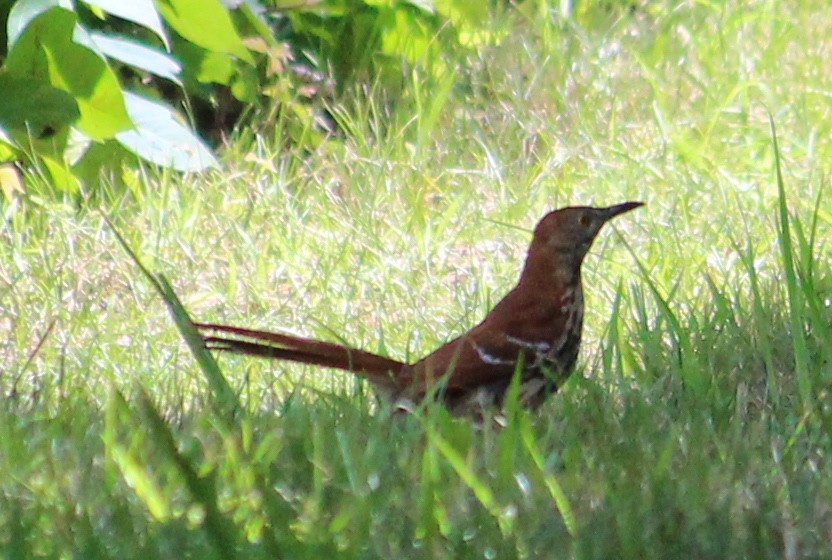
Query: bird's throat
[[560, 269]]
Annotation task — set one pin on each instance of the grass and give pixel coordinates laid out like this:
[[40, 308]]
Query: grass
[[700, 423]]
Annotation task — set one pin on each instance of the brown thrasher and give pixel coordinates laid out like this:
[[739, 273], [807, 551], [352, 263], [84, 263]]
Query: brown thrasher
[[536, 328]]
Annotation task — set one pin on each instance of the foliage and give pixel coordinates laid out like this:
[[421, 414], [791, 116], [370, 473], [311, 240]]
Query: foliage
[[85, 85], [66, 108]]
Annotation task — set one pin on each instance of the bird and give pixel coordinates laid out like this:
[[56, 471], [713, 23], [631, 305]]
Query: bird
[[533, 332]]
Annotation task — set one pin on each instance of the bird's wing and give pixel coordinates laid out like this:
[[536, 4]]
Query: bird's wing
[[490, 351]]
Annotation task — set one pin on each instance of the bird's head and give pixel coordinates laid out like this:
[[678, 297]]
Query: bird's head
[[568, 233]]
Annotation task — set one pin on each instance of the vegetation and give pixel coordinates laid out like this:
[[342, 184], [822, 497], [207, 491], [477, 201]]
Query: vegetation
[[699, 427], [89, 87]]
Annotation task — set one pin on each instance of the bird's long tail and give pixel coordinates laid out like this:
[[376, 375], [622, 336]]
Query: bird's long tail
[[280, 346]]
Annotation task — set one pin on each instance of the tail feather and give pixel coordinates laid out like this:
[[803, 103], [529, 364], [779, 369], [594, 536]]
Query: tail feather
[[299, 349]]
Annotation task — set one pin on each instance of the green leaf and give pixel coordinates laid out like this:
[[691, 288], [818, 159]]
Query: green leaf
[[142, 12], [34, 107], [160, 137], [8, 147], [408, 37], [246, 86], [470, 18], [256, 19], [46, 51], [138, 55], [61, 174], [90, 160], [205, 66], [24, 11], [206, 23]]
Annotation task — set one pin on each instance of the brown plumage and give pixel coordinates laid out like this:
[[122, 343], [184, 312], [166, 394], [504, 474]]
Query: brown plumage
[[540, 318]]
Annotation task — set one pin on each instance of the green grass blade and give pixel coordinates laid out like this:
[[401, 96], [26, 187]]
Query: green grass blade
[[220, 531], [478, 486], [796, 311], [133, 468], [433, 515], [693, 375], [552, 485], [225, 399]]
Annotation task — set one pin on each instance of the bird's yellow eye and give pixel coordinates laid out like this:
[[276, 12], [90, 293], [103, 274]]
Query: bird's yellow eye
[[585, 220]]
